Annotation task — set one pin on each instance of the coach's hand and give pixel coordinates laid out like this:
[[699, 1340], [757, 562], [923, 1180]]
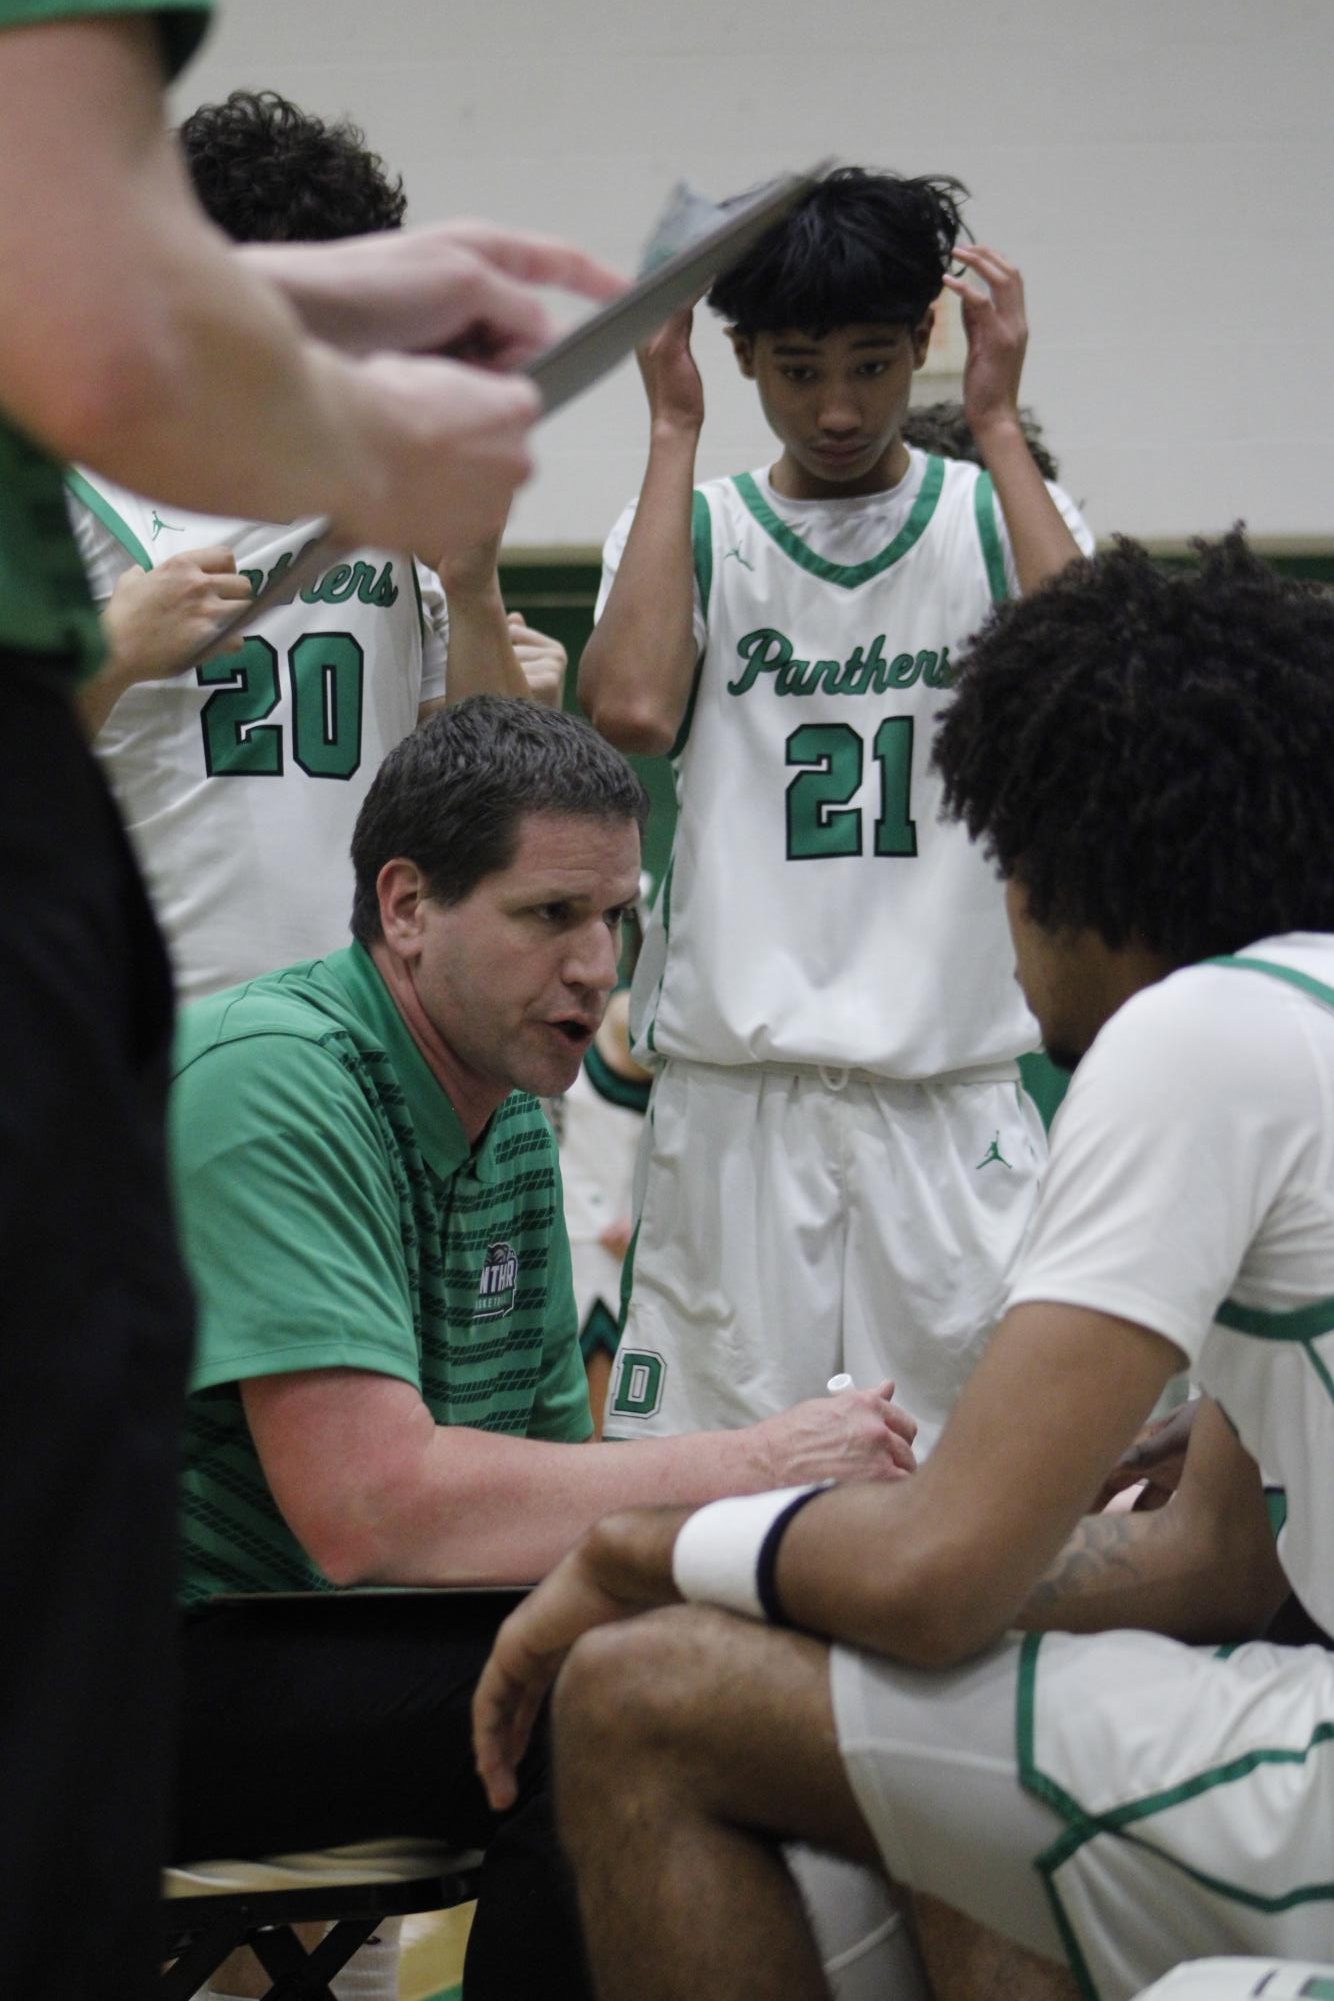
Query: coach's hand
[[621, 1567], [856, 1435], [459, 288]]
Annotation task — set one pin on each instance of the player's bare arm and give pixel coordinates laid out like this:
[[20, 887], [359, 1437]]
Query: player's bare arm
[[156, 621], [165, 338], [997, 330], [482, 660], [636, 672], [377, 1492], [946, 1559], [1205, 1569]]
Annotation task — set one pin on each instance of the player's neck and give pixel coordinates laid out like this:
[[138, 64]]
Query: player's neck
[[795, 481]]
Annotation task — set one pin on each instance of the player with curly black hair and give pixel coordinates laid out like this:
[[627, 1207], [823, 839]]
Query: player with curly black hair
[[789, 634], [1140, 1774], [268, 172], [1207, 699], [943, 429]]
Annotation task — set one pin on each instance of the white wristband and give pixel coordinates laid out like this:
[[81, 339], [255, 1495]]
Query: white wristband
[[717, 1552]]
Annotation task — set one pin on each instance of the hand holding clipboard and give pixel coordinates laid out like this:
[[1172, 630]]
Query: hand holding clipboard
[[692, 243]]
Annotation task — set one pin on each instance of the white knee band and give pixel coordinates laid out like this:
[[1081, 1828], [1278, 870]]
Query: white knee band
[[724, 1554]]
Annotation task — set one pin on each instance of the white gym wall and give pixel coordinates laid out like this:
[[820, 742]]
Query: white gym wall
[[1162, 170]]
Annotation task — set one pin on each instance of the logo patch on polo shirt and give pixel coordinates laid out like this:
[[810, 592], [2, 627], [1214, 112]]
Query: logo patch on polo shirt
[[500, 1278]]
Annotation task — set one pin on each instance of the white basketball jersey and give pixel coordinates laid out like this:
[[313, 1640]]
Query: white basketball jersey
[[816, 909], [240, 780], [602, 1119]]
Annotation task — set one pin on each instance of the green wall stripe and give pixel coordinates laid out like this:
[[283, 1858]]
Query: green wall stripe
[[847, 575], [988, 534], [108, 517]]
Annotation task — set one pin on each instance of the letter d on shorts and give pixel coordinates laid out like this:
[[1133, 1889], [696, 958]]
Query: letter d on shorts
[[639, 1375]]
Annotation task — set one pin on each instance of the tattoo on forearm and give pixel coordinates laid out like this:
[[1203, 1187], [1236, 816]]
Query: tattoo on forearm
[[1100, 1555]]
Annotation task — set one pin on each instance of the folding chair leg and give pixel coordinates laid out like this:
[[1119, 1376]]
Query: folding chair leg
[[301, 1976], [201, 1957]]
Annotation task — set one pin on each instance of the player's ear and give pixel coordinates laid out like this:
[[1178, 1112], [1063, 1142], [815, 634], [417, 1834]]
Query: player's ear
[[402, 891], [743, 347], [921, 336]]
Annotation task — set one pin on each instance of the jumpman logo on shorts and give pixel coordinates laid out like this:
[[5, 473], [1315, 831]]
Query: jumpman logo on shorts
[[993, 1152]]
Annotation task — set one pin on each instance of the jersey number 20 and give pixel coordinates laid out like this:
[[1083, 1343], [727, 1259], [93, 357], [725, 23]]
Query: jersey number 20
[[325, 670]]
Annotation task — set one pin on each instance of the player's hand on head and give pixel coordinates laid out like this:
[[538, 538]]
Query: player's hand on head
[[997, 332], [542, 658], [158, 622], [856, 1435], [671, 377]]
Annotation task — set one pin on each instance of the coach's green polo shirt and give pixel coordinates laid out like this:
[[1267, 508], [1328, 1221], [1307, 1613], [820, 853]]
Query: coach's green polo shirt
[[334, 1216], [45, 609]]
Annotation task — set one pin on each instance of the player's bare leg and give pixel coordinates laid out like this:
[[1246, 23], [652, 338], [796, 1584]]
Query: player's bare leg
[[966, 1962], [688, 1744]]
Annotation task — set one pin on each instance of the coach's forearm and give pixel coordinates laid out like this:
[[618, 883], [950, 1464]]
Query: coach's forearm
[[638, 667], [473, 1505]]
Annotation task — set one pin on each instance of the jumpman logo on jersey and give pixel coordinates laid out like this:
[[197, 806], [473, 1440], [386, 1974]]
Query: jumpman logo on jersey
[[159, 524], [740, 558], [993, 1152]]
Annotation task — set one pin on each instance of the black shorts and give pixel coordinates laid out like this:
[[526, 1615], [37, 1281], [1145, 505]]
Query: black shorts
[[347, 1718]]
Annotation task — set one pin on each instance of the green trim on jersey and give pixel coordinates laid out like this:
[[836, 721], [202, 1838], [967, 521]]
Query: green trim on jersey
[[1299, 1323], [599, 1331], [631, 1093], [1237, 961], [848, 576], [1083, 1826], [649, 1036], [118, 529], [701, 556], [701, 547], [1304, 1324], [988, 534]]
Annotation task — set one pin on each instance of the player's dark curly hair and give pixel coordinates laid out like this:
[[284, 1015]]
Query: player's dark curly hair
[[1150, 753], [943, 429], [860, 246], [267, 172]]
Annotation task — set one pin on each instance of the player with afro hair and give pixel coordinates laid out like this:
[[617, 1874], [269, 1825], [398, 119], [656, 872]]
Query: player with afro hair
[[1206, 697]]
